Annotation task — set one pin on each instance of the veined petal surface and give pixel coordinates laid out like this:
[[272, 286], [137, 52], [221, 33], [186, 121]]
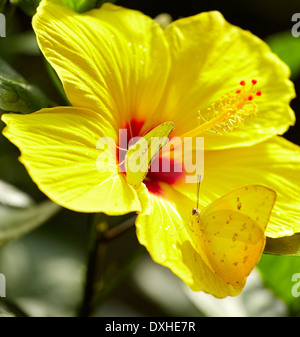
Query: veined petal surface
[[61, 150], [210, 57], [112, 60]]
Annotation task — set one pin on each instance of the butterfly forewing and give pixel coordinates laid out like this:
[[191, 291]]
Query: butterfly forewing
[[255, 201]]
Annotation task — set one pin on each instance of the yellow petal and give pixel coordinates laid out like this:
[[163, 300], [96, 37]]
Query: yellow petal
[[209, 59], [274, 163], [164, 228], [61, 150], [111, 60]]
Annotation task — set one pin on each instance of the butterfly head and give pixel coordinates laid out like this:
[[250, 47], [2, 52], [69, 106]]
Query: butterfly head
[[195, 218], [195, 211]]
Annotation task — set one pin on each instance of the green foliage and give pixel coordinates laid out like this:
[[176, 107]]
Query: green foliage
[[287, 48], [28, 6], [19, 214], [277, 272], [2, 4], [23, 43], [287, 245], [81, 6], [16, 94]]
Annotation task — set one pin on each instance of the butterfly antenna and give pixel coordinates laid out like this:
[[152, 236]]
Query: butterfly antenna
[[198, 188]]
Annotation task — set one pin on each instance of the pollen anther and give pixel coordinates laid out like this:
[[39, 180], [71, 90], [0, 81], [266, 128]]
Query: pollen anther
[[230, 110]]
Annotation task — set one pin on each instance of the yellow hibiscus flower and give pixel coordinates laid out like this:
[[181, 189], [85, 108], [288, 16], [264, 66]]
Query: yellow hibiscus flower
[[122, 71]]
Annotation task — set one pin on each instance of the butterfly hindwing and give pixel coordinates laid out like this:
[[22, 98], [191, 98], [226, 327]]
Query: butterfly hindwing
[[232, 231]]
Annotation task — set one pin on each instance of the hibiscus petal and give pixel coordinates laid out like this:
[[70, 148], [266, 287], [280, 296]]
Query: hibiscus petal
[[210, 57], [61, 150], [164, 228], [274, 163], [112, 60]]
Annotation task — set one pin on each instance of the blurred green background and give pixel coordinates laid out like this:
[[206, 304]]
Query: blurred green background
[[45, 269]]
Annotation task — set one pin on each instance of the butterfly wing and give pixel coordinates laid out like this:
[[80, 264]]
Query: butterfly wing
[[140, 155], [232, 231]]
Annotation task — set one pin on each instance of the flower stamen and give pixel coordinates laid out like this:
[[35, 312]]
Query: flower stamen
[[229, 111]]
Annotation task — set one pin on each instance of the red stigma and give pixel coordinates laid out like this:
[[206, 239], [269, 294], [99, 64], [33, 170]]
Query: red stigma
[[258, 93], [250, 98], [243, 83], [254, 82]]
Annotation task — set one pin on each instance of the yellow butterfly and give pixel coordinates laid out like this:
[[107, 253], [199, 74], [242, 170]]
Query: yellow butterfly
[[231, 229], [140, 155]]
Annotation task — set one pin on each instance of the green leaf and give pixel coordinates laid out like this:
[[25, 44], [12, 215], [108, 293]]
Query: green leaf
[[287, 245], [18, 213], [28, 6], [11, 196], [278, 275], [16, 94], [80, 6], [2, 4], [23, 43], [287, 48]]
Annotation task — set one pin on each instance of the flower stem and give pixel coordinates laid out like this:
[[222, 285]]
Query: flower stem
[[86, 306], [114, 232], [100, 236]]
